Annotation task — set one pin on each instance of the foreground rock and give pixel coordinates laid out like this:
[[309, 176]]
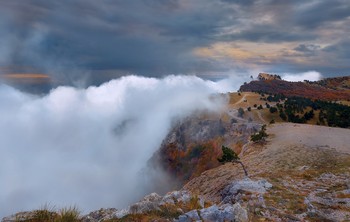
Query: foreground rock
[[187, 207], [181, 206], [226, 212], [234, 192], [151, 202]]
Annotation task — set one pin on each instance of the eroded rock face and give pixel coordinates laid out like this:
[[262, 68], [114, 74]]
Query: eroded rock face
[[216, 213], [194, 145], [267, 76], [176, 197], [230, 193], [21, 216], [29, 215], [100, 215], [148, 203]]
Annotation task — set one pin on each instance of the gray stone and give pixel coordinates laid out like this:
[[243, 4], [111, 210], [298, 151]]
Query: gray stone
[[99, 215], [211, 214], [176, 197], [245, 185], [240, 214], [226, 212], [148, 203], [189, 216], [21, 216], [122, 213]]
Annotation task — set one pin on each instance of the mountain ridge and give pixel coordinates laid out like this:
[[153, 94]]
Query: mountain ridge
[[331, 89]]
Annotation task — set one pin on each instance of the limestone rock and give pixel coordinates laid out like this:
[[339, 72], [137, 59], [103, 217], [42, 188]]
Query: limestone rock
[[236, 188], [226, 212], [21, 216], [100, 215], [189, 217], [240, 214], [176, 197], [148, 203]]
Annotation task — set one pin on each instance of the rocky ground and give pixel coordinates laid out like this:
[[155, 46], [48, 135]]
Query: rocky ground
[[309, 175]]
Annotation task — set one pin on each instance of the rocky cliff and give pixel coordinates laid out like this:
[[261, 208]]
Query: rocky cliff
[[267, 76], [194, 144]]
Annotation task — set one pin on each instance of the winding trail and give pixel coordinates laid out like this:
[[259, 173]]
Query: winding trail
[[233, 112], [260, 116]]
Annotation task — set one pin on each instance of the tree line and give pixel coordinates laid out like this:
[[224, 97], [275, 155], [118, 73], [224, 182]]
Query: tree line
[[294, 109]]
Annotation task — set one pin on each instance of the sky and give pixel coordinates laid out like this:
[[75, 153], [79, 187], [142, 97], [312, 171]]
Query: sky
[[88, 42]]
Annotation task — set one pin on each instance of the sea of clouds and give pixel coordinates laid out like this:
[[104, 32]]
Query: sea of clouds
[[87, 147]]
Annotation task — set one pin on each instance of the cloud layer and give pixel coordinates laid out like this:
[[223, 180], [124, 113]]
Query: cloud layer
[[296, 77], [87, 146], [98, 41]]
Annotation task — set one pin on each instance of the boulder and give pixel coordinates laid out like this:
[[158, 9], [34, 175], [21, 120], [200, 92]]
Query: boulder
[[237, 188], [189, 217], [100, 215], [226, 212], [148, 203], [176, 197], [21, 216]]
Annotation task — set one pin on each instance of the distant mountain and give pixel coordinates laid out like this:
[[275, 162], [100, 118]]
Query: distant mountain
[[326, 89]]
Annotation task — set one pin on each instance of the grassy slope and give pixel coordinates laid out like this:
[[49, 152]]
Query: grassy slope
[[293, 162], [252, 98]]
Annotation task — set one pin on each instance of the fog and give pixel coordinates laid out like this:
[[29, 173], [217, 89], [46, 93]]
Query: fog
[[295, 77], [87, 147]]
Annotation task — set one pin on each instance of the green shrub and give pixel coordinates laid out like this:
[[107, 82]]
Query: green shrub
[[228, 155], [261, 135], [240, 112]]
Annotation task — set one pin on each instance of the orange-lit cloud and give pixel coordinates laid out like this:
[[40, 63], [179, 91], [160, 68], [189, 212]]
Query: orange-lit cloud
[[25, 76], [253, 53]]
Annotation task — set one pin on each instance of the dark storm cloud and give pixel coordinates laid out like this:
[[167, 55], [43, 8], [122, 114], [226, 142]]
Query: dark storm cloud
[[240, 2], [320, 12], [270, 34], [151, 37], [341, 49], [144, 37], [308, 49]]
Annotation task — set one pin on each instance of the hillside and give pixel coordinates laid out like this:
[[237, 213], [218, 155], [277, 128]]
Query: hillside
[[308, 167], [337, 83], [333, 89]]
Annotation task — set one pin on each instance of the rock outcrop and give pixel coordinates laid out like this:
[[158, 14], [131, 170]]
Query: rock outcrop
[[234, 191], [150, 203], [267, 76], [226, 212], [194, 145]]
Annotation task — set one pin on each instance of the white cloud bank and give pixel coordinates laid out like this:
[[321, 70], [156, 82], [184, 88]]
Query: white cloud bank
[[296, 77], [86, 147]]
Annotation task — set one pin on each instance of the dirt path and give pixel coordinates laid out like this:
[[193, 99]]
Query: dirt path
[[241, 100], [261, 118], [233, 110]]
